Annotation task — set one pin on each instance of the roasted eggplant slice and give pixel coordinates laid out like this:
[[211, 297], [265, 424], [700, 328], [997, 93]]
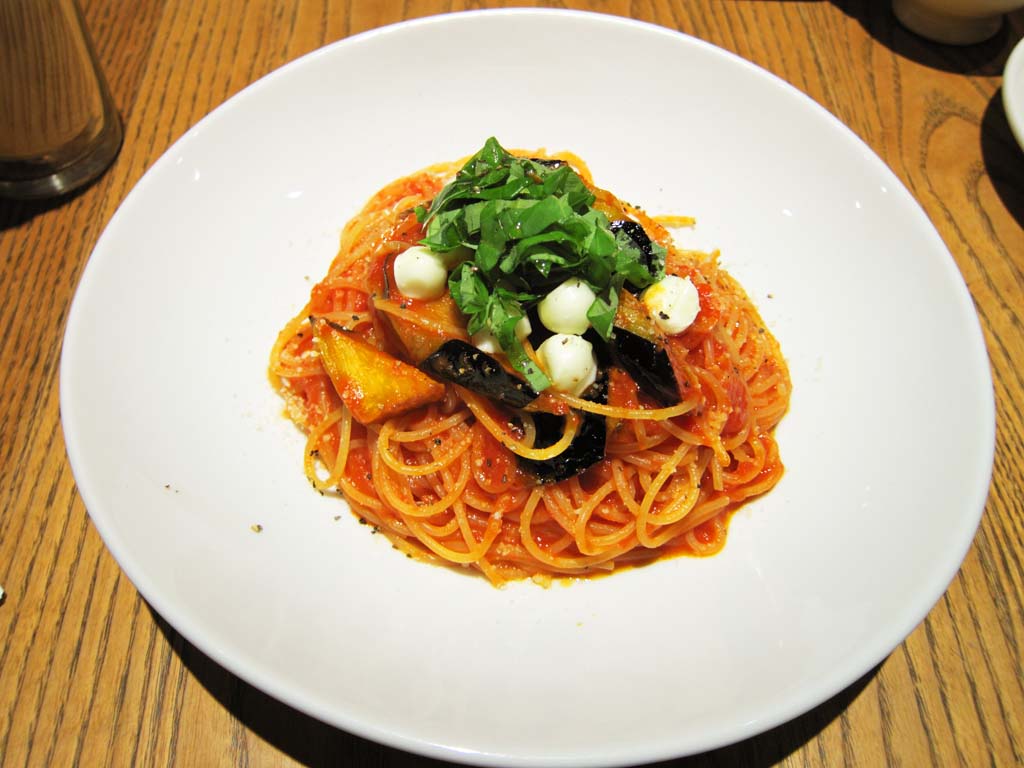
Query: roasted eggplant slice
[[419, 327], [373, 384], [639, 347], [648, 364], [633, 316], [465, 365], [586, 448], [461, 363]]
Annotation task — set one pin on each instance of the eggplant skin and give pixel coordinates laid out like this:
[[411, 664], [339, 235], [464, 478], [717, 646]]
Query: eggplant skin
[[648, 364], [548, 162], [461, 363], [586, 448]]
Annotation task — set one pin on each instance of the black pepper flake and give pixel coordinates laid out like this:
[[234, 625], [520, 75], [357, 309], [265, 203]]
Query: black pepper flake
[[356, 318], [362, 521], [760, 330], [437, 441]]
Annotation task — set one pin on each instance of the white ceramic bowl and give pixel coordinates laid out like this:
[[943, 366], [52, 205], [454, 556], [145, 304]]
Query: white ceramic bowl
[[957, 22], [179, 446]]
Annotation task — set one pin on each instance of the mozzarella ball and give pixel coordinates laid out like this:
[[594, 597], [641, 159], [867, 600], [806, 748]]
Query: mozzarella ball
[[487, 342], [564, 310], [569, 362], [673, 304], [420, 273]]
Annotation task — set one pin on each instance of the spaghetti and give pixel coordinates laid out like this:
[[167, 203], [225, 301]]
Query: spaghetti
[[446, 472]]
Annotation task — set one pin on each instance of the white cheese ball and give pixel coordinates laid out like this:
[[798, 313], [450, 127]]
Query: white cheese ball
[[564, 310], [420, 273], [569, 362], [487, 342], [673, 304]]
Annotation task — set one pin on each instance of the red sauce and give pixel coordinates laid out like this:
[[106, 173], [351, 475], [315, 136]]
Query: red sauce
[[623, 392], [358, 470], [736, 389], [706, 532], [494, 466]]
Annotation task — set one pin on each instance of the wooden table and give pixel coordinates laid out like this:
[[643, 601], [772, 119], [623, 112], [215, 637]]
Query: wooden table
[[90, 676]]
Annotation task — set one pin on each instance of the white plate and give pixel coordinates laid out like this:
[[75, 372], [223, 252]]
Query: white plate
[[1013, 91], [179, 446]]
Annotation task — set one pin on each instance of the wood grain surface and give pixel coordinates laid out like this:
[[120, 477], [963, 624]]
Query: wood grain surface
[[89, 675]]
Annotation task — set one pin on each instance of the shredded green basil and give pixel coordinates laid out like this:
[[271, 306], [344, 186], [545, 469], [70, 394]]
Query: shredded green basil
[[529, 226]]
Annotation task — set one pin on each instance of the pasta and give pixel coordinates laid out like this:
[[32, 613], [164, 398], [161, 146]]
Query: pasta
[[454, 475]]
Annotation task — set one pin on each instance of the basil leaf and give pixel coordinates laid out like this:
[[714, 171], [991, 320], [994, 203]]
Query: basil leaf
[[541, 215], [468, 289], [659, 253], [529, 227], [601, 313]]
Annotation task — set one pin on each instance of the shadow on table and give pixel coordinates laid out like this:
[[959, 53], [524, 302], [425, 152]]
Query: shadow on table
[[314, 743], [1004, 159], [14, 213], [985, 58]]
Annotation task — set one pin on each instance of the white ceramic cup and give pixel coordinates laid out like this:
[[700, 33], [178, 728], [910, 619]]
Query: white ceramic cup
[[958, 22]]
